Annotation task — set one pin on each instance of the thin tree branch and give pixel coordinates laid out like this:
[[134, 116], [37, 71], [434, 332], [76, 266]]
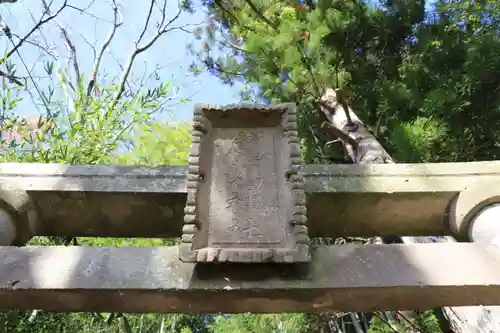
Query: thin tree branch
[[163, 11], [37, 26], [46, 47], [342, 102], [415, 327], [148, 17], [84, 11], [355, 322], [117, 22], [121, 68], [218, 3], [11, 78], [162, 29], [36, 44], [42, 96], [386, 322], [336, 132], [261, 15], [73, 58]]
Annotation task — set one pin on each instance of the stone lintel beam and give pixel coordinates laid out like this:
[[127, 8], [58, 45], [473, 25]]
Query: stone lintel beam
[[340, 278], [342, 200]]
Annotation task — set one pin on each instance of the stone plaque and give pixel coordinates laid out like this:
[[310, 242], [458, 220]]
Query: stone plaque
[[245, 197]]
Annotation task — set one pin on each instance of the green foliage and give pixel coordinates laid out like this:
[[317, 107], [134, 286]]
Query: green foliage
[[40, 322], [417, 141], [159, 144], [92, 131], [87, 132], [421, 321], [269, 323], [403, 68]]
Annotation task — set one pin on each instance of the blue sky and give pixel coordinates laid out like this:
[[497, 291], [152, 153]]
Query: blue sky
[[169, 52]]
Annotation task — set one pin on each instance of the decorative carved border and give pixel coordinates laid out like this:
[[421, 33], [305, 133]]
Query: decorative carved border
[[189, 252], [297, 180], [191, 223]]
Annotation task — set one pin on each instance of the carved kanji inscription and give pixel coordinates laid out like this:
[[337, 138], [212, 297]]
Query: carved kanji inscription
[[246, 200], [243, 159]]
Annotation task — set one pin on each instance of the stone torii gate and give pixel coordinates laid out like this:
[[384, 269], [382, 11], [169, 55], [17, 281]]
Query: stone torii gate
[[245, 208]]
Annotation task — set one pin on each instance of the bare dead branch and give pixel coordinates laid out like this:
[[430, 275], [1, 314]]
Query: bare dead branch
[[336, 132], [45, 48], [73, 58], [37, 26], [84, 11], [160, 32], [368, 149], [92, 46], [163, 27], [330, 103], [34, 43], [88, 6], [342, 101], [121, 68], [117, 22], [163, 11], [148, 17], [55, 55]]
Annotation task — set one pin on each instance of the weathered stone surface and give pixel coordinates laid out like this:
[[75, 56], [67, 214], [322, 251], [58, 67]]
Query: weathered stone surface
[[8, 229], [475, 215], [19, 216], [340, 278], [342, 200], [94, 178], [245, 198], [105, 214], [468, 206], [485, 226], [482, 227]]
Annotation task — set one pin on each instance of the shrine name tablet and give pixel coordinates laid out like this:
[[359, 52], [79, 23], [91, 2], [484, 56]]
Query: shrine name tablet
[[246, 200]]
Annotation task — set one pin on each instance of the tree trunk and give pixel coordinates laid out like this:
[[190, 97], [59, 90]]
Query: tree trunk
[[363, 148]]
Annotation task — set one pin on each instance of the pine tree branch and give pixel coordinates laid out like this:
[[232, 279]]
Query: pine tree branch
[[261, 15], [303, 57], [218, 3]]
